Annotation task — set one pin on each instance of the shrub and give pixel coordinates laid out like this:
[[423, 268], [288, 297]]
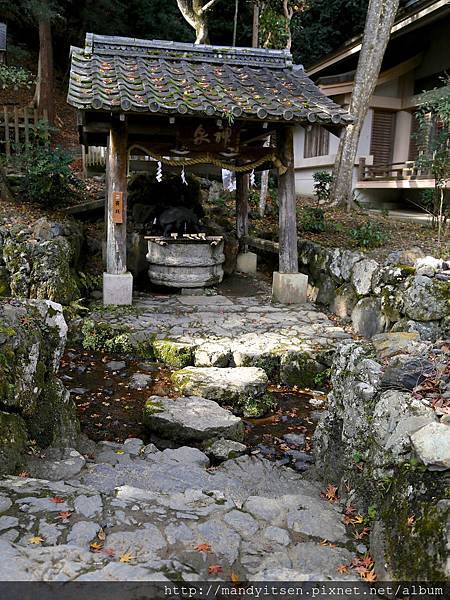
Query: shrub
[[369, 235], [312, 219], [322, 185], [48, 178]]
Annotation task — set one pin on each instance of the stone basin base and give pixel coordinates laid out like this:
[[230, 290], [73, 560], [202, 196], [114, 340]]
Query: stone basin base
[[185, 263]]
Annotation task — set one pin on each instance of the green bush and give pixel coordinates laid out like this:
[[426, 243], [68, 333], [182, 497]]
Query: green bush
[[369, 235], [312, 219], [48, 178], [322, 185]]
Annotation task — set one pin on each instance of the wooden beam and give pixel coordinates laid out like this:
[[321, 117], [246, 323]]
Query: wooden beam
[[287, 203], [116, 185], [242, 187]]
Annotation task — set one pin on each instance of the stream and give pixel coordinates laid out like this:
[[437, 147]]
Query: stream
[[110, 408]]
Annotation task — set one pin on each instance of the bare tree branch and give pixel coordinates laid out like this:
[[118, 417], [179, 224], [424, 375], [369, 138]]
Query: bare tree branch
[[209, 5]]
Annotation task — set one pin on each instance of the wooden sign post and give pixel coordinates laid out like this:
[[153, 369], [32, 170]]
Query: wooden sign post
[[118, 207]]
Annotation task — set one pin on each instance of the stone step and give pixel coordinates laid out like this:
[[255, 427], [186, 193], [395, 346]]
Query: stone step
[[191, 419], [243, 388]]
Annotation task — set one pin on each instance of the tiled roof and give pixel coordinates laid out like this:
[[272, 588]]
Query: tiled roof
[[141, 76]]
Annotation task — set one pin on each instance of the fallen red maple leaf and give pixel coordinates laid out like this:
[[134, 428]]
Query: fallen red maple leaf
[[213, 569]]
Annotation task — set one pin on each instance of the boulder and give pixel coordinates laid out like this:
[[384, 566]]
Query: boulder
[[428, 331], [212, 354], [140, 381], [405, 257], [174, 354], [396, 416], [362, 274], [389, 344], [299, 368], [191, 419], [242, 387], [56, 464], [344, 301], [428, 265], [426, 299], [432, 445], [368, 318], [13, 440], [225, 449], [342, 262]]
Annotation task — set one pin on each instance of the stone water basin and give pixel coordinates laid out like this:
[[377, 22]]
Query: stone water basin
[[186, 261]]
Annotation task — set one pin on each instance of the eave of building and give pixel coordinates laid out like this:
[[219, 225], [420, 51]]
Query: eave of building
[[411, 20]]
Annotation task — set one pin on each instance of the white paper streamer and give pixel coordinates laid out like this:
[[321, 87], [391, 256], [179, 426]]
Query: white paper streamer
[[159, 174], [183, 176], [252, 178]]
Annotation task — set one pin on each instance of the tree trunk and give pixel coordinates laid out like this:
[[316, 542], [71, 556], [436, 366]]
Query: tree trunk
[[44, 96], [379, 21], [194, 11], [235, 21], [255, 32]]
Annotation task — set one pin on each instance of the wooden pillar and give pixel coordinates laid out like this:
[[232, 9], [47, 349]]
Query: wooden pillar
[[288, 254], [116, 185], [242, 186]]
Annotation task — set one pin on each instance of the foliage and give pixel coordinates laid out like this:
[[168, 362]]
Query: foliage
[[312, 219], [101, 336], [327, 25], [15, 77], [48, 178], [322, 185], [275, 21], [433, 144], [369, 235]]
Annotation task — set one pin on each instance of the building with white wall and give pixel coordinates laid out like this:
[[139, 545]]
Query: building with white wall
[[417, 59]]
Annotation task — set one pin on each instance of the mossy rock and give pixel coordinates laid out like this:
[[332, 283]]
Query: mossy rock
[[174, 354], [300, 369], [13, 440], [242, 388], [102, 336], [418, 551], [54, 423]]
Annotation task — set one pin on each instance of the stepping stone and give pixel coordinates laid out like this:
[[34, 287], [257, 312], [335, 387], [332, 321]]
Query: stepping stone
[[191, 418], [56, 464], [140, 381], [242, 387], [225, 449], [116, 365]]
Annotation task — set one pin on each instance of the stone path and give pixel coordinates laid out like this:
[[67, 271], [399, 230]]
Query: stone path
[[156, 515], [133, 512], [294, 342]]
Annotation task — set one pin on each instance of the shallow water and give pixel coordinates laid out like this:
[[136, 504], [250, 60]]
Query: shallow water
[[109, 409]]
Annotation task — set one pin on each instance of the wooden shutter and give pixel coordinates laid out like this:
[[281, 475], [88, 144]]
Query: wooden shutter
[[382, 142]]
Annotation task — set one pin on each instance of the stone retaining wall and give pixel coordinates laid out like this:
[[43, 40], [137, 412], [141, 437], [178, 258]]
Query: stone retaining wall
[[407, 292], [35, 408], [385, 442]]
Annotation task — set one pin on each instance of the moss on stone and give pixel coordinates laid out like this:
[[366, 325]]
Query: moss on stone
[[152, 407], [256, 406], [54, 422], [416, 551], [13, 440], [299, 369], [174, 354]]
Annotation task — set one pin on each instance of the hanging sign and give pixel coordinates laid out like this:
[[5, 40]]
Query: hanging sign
[[208, 137], [117, 207]]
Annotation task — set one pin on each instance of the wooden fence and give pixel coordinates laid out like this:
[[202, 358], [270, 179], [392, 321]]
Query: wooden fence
[[16, 128]]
